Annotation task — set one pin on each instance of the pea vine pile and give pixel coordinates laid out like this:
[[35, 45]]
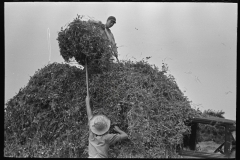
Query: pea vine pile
[[47, 118]]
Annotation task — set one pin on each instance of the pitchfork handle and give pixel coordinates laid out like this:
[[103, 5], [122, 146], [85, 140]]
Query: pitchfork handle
[[87, 78]]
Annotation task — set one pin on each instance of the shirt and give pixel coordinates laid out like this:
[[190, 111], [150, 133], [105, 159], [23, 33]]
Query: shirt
[[110, 36], [99, 145]]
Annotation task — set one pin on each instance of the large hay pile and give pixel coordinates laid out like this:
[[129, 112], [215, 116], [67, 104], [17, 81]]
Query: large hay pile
[[47, 118]]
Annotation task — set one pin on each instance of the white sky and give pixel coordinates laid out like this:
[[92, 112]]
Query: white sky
[[198, 41]]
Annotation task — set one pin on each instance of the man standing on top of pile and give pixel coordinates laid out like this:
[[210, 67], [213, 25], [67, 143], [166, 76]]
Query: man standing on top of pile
[[106, 32]]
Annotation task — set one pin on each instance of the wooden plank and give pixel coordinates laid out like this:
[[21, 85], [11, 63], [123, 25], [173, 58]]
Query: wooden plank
[[201, 154], [213, 120], [227, 141], [193, 136]]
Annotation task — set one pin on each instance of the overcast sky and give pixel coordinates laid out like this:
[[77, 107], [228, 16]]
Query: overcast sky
[[198, 41]]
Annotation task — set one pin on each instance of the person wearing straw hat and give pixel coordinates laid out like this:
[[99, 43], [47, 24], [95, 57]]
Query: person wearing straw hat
[[99, 137], [106, 32]]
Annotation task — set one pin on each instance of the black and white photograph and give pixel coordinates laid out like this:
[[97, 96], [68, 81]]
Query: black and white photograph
[[120, 79]]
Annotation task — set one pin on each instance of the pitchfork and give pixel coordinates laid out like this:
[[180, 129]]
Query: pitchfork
[[87, 78]]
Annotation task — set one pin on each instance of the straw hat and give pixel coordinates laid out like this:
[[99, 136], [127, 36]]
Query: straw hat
[[99, 124]]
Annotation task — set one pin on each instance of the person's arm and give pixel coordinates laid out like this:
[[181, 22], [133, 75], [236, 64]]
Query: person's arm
[[114, 46], [88, 107], [113, 138], [122, 134]]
